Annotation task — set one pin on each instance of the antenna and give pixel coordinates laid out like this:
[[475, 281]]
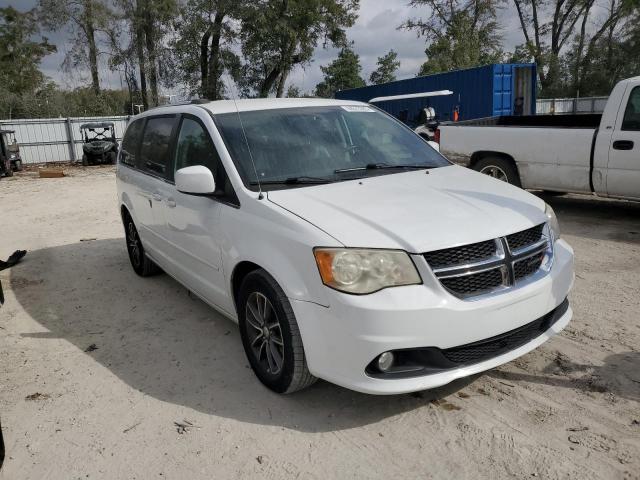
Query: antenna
[[244, 133]]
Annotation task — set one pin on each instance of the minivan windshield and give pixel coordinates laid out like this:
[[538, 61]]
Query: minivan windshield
[[311, 145]]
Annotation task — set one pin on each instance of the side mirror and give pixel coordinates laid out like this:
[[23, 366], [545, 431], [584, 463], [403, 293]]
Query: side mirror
[[196, 180]]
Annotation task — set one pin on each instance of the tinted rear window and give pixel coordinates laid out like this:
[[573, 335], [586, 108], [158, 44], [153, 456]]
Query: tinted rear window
[[130, 143], [156, 140]]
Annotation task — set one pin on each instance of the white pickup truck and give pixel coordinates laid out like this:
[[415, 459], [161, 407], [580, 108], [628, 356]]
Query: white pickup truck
[[563, 153]]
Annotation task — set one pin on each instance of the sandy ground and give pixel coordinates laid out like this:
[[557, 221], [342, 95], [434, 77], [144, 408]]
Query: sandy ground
[[107, 375]]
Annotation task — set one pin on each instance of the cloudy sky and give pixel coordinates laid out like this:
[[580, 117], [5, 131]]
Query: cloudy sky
[[374, 34]]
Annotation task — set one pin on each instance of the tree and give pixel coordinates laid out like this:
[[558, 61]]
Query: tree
[[294, 92], [278, 35], [83, 18], [21, 52], [341, 74], [146, 25], [459, 34], [204, 32], [387, 66]]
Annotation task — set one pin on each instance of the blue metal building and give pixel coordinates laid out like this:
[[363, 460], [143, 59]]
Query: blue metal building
[[497, 89]]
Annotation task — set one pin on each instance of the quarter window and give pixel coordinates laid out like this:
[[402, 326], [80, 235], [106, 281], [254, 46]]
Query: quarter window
[[631, 120], [130, 143], [154, 153]]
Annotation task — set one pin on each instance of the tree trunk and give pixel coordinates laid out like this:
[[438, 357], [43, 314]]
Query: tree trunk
[[91, 40], [282, 81], [149, 35], [139, 39], [204, 62], [267, 83], [213, 90]]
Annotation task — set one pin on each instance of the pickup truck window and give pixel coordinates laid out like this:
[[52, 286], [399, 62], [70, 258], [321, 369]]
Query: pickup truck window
[[631, 120], [321, 143]]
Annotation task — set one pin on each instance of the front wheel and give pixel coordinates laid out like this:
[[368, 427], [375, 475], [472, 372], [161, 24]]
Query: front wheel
[[270, 335], [500, 169]]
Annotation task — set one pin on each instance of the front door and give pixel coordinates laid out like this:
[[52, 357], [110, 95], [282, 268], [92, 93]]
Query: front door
[[192, 221], [623, 170]]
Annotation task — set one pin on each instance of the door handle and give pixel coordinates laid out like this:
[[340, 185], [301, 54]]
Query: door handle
[[623, 145], [171, 203], [157, 197]]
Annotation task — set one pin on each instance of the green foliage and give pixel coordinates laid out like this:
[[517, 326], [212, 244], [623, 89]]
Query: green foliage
[[52, 102], [20, 53], [459, 34], [278, 35], [341, 74], [387, 66], [294, 92]]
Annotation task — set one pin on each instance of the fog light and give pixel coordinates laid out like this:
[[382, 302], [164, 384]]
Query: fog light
[[385, 361]]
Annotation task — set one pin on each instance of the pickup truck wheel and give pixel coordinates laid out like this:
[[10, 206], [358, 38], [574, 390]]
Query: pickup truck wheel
[[500, 169], [270, 335], [141, 264]]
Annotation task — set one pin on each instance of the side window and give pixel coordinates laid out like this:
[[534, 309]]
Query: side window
[[195, 147], [631, 120], [154, 151], [130, 143]]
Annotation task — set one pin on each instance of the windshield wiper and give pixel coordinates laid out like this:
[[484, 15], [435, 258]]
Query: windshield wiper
[[294, 181], [376, 166]]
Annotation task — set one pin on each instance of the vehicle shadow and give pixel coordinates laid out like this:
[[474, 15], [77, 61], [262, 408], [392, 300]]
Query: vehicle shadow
[[618, 375], [153, 336], [596, 218]]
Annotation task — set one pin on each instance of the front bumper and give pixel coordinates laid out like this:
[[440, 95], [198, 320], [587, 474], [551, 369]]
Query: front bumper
[[342, 339]]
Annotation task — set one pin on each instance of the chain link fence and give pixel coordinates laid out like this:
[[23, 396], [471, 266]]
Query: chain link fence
[[45, 140]]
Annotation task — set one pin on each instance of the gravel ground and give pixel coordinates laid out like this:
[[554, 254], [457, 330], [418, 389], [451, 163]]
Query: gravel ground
[[107, 375]]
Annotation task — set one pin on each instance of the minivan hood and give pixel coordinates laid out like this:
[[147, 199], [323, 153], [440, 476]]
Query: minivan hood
[[417, 211]]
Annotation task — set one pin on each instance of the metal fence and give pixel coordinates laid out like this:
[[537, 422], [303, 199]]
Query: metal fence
[[44, 140], [570, 105]]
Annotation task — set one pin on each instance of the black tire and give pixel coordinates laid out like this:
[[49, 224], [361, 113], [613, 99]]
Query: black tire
[[141, 264], [111, 156], [85, 160], [499, 168], [9, 170], [293, 373], [17, 166]]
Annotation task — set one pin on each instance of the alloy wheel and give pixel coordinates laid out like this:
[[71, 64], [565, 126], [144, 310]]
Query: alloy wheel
[[133, 244], [495, 172], [264, 332]]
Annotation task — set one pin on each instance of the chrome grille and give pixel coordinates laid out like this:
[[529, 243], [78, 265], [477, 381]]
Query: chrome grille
[[492, 265]]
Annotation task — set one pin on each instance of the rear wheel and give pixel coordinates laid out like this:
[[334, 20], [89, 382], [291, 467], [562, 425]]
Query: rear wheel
[[270, 335], [500, 169], [141, 264], [85, 160]]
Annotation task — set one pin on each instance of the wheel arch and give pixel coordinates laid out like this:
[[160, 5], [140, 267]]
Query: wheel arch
[[482, 154], [239, 273]]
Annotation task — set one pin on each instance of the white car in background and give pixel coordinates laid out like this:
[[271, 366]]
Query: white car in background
[[345, 247]]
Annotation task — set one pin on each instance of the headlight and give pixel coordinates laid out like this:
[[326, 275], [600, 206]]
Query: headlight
[[356, 270], [552, 220]]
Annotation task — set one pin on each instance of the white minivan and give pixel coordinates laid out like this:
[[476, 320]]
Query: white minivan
[[345, 247]]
